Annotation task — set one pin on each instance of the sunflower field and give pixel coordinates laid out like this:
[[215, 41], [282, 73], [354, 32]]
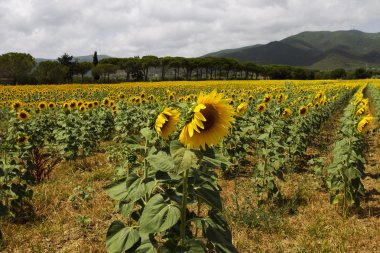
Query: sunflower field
[[210, 166]]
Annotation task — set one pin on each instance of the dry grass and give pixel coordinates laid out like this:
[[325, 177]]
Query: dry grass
[[58, 226]]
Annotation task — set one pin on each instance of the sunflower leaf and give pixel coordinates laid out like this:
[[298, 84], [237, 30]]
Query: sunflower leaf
[[120, 237], [183, 157], [161, 161], [158, 215]]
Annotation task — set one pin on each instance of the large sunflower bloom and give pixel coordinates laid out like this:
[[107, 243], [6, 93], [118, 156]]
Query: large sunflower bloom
[[212, 116], [166, 122]]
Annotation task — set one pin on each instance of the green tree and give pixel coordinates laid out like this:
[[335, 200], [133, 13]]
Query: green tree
[[50, 72], [249, 69], [299, 74], [67, 60], [147, 62], [16, 66], [95, 63], [164, 63], [338, 73], [362, 73], [82, 68], [105, 69], [95, 59]]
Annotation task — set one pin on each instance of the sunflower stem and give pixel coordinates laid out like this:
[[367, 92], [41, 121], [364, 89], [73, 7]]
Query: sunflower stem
[[183, 208], [145, 154]]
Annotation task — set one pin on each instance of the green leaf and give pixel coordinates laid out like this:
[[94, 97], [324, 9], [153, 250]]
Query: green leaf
[[216, 231], [334, 199], [183, 157], [209, 194], [147, 133], [146, 245], [120, 237], [117, 190], [217, 159], [158, 215], [161, 161]]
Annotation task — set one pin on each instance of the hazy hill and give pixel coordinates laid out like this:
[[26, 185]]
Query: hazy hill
[[319, 50], [84, 58]]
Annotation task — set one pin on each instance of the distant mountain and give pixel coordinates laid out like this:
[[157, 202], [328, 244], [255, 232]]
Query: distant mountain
[[319, 50], [84, 58]]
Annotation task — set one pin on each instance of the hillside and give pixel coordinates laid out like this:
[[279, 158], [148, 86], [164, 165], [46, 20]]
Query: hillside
[[319, 50]]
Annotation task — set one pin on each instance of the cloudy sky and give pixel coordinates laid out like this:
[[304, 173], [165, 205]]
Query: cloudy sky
[[124, 28]]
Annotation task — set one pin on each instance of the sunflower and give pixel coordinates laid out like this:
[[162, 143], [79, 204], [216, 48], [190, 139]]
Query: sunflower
[[365, 124], [22, 139], [267, 98], [51, 105], [106, 101], [82, 108], [286, 113], [16, 105], [209, 123], [73, 104], [303, 110], [166, 122], [361, 111], [241, 108], [42, 105], [261, 108], [280, 97], [122, 95], [23, 115]]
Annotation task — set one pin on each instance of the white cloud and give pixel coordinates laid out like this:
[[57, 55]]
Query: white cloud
[[48, 28]]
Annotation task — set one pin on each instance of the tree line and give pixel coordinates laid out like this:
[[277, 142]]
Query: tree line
[[21, 68]]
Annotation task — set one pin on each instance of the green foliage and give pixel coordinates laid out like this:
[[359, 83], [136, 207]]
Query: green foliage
[[338, 73], [50, 72], [82, 68], [78, 133], [81, 195], [16, 66]]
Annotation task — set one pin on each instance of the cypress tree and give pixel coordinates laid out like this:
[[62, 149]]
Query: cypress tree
[[95, 59]]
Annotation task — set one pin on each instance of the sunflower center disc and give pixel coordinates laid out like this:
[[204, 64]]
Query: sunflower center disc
[[210, 114]]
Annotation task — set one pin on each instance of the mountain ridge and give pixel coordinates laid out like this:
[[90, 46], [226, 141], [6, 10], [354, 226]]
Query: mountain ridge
[[323, 50]]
